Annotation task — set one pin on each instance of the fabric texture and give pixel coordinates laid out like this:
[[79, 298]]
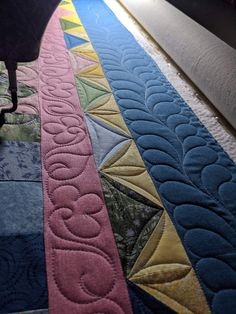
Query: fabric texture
[[192, 174], [124, 167], [79, 243], [23, 278], [144, 303], [136, 197]]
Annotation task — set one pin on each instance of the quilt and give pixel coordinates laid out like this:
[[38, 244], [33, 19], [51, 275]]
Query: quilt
[[114, 197]]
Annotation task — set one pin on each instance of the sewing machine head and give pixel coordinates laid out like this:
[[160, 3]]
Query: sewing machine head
[[22, 24]]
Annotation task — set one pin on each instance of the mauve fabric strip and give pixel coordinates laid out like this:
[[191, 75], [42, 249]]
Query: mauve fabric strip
[[83, 266]]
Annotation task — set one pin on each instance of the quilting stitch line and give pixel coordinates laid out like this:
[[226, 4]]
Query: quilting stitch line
[[160, 111], [67, 263]]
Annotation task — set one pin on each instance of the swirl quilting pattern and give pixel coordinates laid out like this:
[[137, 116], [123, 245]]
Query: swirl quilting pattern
[[193, 175], [23, 280], [83, 267]]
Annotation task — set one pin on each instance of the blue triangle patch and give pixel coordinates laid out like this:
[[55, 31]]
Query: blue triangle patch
[[73, 41], [106, 141], [144, 303]]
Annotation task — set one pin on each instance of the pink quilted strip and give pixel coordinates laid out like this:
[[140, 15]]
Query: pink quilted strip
[[83, 267]]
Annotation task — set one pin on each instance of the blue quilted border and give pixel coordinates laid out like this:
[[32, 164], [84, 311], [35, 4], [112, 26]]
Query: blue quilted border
[[193, 175], [23, 284]]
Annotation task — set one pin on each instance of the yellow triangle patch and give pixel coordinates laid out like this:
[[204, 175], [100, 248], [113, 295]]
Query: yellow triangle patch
[[87, 51], [105, 106], [164, 271], [92, 71], [68, 7], [106, 110], [73, 18], [78, 31], [114, 120], [127, 167], [101, 81]]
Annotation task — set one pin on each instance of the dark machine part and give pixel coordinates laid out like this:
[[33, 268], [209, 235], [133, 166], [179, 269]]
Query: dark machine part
[[22, 25]]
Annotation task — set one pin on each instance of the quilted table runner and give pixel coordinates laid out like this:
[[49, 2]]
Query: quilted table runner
[[114, 197]]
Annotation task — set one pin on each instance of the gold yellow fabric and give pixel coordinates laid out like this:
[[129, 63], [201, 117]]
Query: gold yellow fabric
[[164, 271], [127, 167]]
